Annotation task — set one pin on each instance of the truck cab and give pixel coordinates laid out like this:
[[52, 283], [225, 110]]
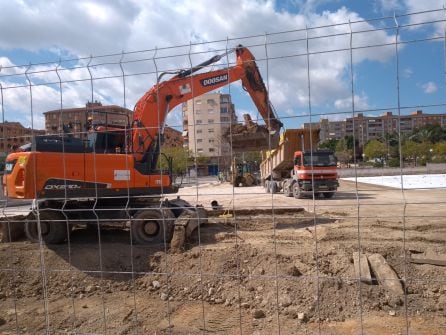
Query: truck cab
[[314, 171]]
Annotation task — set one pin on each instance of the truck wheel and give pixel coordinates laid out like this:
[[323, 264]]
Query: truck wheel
[[243, 182], [296, 191], [328, 195], [53, 227], [287, 189], [237, 181], [273, 187], [152, 226]]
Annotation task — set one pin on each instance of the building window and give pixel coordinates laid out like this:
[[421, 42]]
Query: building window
[[199, 140], [199, 131], [211, 150], [211, 111], [224, 119], [199, 121], [210, 120], [210, 130], [200, 151], [211, 140], [224, 110], [198, 102]]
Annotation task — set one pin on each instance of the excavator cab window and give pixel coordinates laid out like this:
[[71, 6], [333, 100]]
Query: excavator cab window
[[107, 142], [297, 161]]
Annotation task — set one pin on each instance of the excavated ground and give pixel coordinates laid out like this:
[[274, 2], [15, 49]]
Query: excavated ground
[[288, 270]]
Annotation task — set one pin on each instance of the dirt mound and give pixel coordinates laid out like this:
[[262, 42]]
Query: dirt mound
[[253, 273]]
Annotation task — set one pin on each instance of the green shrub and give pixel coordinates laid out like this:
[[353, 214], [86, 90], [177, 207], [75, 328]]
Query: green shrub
[[394, 162]]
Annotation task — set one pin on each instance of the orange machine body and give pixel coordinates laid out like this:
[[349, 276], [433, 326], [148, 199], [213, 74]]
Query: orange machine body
[[50, 167], [51, 174]]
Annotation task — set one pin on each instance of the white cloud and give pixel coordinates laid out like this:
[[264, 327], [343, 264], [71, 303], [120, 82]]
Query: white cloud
[[240, 112], [429, 87], [98, 27], [407, 72], [426, 14], [5, 62], [84, 27], [390, 5], [361, 103]]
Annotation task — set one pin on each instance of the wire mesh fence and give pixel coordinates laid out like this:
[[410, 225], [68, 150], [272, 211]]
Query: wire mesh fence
[[100, 237]]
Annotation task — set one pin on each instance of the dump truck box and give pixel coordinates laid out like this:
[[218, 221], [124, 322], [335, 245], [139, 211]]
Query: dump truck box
[[280, 160]]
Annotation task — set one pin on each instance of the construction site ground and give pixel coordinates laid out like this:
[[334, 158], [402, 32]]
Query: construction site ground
[[278, 265]]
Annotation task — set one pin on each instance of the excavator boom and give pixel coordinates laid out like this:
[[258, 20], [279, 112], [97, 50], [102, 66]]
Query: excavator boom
[[152, 108]]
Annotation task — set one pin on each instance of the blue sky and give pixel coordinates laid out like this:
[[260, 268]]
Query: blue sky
[[36, 32]]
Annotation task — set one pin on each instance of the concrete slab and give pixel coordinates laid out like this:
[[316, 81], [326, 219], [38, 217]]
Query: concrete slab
[[385, 275], [362, 270]]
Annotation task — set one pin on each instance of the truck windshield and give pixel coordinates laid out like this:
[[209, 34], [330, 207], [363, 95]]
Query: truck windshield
[[319, 159]]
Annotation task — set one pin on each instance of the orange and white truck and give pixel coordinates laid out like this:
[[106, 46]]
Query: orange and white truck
[[297, 168]]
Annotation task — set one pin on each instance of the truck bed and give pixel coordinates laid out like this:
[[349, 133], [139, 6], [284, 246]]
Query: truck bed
[[280, 160]]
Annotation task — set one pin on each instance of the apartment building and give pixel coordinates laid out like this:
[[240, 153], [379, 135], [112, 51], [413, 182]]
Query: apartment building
[[14, 134], [172, 137], [77, 118], [205, 119], [366, 128]]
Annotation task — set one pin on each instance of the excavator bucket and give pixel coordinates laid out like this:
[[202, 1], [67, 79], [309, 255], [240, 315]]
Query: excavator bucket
[[251, 137]]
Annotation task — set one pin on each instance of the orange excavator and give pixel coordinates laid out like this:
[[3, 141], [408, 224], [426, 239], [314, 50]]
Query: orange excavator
[[112, 177]]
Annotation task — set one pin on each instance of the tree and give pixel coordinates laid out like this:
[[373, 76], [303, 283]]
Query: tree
[[414, 151], [180, 158], [202, 159], [343, 153], [375, 150], [439, 151], [350, 141], [391, 141], [421, 135], [329, 144], [429, 133]]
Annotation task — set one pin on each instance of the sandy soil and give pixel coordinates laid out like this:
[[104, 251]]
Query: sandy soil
[[286, 272]]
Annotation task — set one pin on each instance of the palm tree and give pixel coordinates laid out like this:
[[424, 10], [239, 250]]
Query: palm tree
[[422, 135]]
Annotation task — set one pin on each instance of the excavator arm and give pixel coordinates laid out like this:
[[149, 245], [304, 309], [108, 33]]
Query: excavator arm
[[151, 110]]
